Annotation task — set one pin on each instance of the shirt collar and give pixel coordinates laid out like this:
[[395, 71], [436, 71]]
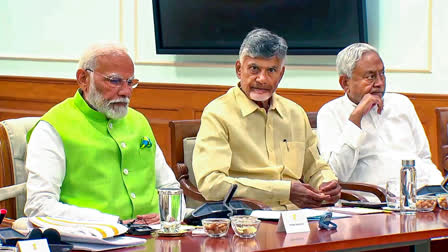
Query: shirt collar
[[248, 106], [349, 102], [276, 105]]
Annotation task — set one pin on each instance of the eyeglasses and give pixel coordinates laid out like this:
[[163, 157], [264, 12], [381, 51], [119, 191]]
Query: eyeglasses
[[373, 77], [117, 81]]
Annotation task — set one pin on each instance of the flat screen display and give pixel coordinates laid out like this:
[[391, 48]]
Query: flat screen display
[[310, 27]]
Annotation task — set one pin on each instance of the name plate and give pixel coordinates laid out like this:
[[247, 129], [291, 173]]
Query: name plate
[[38, 245], [293, 222]]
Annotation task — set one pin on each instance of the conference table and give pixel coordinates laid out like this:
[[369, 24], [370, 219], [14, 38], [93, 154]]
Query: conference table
[[417, 232]]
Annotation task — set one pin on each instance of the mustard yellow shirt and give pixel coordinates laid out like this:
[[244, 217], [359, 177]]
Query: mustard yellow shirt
[[239, 143]]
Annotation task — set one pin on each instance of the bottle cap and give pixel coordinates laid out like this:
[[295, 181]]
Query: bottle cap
[[408, 162]]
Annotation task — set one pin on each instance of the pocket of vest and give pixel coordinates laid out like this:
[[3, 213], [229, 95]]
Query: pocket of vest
[[146, 153]]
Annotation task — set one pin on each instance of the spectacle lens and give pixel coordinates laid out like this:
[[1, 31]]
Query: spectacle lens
[[117, 81]]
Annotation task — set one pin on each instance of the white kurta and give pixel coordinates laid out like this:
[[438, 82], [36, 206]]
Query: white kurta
[[45, 163], [373, 153]]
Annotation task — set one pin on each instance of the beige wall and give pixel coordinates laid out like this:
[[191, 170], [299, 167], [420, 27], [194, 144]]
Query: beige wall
[[44, 38]]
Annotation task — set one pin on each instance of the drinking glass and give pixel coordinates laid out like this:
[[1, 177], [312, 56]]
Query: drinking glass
[[170, 206], [393, 193]]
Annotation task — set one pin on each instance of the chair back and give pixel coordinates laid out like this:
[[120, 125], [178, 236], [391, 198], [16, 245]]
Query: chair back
[[12, 164], [312, 118], [183, 138], [442, 138], [181, 129]]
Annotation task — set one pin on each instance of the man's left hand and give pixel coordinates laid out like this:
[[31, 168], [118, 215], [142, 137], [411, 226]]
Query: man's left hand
[[331, 188]]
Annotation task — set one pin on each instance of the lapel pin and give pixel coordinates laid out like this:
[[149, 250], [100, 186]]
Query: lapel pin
[[146, 143]]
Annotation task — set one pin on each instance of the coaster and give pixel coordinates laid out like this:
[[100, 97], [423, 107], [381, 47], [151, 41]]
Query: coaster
[[391, 209], [166, 234]]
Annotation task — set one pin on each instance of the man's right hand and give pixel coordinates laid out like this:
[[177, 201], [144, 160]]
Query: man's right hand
[[152, 218], [304, 195], [367, 102]]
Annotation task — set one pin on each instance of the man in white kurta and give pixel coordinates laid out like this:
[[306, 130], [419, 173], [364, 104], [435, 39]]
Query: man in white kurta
[[366, 133], [111, 182]]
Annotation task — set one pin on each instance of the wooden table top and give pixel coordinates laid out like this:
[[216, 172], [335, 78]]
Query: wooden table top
[[354, 232], [357, 231]]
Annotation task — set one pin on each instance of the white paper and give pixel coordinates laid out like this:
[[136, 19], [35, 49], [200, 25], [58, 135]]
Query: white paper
[[307, 212], [266, 214], [355, 210], [80, 235], [79, 230], [109, 243], [38, 245]]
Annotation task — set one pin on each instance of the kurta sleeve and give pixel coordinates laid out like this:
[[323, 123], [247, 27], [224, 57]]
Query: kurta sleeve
[[316, 170], [339, 142]]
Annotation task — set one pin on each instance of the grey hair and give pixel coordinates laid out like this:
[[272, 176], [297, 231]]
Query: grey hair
[[349, 56], [263, 43], [88, 59]]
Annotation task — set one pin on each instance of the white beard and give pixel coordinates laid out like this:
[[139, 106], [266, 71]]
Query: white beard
[[259, 97], [96, 100]]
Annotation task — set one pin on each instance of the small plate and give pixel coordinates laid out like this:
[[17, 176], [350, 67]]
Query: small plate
[[180, 233], [391, 209]]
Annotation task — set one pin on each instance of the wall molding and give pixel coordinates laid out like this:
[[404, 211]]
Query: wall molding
[[163, 102]]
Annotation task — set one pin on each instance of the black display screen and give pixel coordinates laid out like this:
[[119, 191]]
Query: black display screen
[[321, 27]]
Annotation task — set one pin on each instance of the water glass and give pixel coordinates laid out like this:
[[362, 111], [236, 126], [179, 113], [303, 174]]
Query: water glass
[[170, 206], [393, 193]]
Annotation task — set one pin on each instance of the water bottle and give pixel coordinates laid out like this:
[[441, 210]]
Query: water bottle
[[407, 187]]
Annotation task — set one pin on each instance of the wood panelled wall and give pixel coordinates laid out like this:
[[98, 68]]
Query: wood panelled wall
[[161, 103]]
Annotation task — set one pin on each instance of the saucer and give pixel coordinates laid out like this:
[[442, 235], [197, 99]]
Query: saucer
[[167, 234], [391, 209]]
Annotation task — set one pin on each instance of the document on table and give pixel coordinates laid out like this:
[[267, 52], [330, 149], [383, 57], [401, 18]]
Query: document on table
[[109, 243], [355, 210], [87, 235], [310, 214], [80, 229]]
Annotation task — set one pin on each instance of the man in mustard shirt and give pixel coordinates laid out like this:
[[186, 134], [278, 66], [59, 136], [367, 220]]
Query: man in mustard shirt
[[259, 140]]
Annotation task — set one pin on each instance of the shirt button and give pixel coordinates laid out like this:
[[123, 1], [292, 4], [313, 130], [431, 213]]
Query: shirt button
[[110, 125], [125, 171], [123, 144], [133, 195]]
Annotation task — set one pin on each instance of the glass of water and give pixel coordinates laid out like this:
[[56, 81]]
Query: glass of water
[[393, 193], [170, 206]]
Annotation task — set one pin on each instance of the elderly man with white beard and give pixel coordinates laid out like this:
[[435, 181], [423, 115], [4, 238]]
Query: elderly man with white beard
[[91, 157]]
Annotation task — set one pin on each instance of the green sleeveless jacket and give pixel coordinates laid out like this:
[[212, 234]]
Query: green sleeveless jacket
[[107, 166]]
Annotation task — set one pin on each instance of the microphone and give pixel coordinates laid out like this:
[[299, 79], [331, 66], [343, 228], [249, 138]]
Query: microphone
[[52, 236], [34, 234], [2, 214]]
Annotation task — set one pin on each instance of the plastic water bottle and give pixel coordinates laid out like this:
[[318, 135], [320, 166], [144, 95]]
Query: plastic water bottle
[[407, 187]]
